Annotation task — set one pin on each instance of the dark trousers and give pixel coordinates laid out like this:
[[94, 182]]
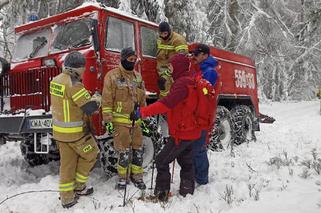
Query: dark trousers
[[183, 152], [200, 159]]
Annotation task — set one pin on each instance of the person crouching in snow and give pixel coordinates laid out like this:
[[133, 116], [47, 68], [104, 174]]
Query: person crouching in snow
[[179, 105]]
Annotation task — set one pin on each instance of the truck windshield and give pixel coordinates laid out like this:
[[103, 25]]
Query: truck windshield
[[30, 45], [72, 35]]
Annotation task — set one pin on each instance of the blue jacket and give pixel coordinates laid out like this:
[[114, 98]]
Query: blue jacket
[[208, 71]]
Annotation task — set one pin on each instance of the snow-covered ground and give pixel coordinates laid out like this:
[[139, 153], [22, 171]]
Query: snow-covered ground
[[277, 173]]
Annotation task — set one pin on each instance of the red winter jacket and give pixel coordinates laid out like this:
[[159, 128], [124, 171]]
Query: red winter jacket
[[180, 104]]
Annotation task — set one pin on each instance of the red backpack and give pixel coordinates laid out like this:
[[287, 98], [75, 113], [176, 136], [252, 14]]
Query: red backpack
[[206, 104], [195, 113]]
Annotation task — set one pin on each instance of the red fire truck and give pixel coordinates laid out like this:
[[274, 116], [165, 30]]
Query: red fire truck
[[99, 33]]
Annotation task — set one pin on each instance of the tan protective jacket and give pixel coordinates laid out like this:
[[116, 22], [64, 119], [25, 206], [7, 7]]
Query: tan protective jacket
[[122, 89], [69, 120], [165, 49]]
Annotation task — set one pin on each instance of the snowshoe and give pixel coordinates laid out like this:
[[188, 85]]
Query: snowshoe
[[162, 195], [149, 198], [139, 183]]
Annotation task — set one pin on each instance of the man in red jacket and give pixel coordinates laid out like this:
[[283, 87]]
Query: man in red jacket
[[179, 105]]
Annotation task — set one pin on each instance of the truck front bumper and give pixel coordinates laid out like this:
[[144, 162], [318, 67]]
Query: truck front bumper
[[25, 124]]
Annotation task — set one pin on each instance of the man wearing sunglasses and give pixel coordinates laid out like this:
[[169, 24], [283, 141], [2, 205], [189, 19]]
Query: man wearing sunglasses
[[207, 64]]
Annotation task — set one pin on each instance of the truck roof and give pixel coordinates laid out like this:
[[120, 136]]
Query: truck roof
[[88, 8], [81, 10]]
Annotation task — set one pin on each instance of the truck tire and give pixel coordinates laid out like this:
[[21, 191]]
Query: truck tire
[[27, 151], [33, 159], [243, 119], [2, 140], [222, 133], [152, 141]]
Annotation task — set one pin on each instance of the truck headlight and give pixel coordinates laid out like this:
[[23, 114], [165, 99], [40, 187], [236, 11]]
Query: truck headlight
[[49, 62]]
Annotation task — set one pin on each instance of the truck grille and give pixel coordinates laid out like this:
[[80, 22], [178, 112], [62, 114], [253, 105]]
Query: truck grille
[[28, 89]]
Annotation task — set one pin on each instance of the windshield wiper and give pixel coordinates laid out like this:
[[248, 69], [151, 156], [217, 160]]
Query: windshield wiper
[[81, 42], [38, 43]]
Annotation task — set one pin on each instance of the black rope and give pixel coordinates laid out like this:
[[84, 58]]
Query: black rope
[[27, 192]]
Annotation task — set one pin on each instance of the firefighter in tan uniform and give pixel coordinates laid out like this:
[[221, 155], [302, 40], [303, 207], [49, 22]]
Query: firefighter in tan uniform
[[169, 44], [71, 103], [123, 88]]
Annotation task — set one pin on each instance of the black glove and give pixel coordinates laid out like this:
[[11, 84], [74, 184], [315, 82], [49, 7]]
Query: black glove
[[161, 83], [135, 114]]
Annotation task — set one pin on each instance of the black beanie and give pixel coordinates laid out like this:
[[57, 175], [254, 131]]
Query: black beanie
[[164, 27], [75, 60], [126, 52]]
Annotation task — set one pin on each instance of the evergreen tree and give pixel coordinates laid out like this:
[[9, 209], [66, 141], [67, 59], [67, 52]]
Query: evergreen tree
[[110, 3], [148, 9], [223, 16], [187, 19]]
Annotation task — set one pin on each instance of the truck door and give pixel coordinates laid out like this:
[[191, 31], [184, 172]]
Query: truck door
[[120, 34], [148, 42]]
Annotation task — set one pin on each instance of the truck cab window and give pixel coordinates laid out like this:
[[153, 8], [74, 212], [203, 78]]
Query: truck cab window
[[31, 45], [120, 34], [72, 35], [149, 41]]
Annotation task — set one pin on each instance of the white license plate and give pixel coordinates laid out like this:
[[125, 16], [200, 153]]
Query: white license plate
[[40, 123]]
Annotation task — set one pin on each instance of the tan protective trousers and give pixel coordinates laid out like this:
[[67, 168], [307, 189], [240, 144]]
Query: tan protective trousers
[[124, 140], [76, 161], [123, 137]]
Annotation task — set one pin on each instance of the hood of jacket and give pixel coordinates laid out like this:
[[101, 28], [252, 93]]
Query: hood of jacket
[[209, 62], [180, 63]]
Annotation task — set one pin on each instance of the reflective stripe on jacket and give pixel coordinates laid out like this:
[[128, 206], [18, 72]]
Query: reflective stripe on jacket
[[122, 88], [165, 49], [67, 98]]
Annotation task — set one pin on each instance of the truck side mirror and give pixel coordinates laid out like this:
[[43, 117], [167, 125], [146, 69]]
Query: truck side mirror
[[95, 34], [4, 66]]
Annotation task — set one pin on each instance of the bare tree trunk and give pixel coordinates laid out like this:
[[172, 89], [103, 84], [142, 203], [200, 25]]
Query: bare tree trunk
[[6, 49], [52, 7], [43, 9], [233, 10]]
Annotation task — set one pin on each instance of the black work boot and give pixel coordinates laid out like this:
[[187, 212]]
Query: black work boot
[[121, 184], [186, 187], [139, 183], [71, 203], [86, 190]]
